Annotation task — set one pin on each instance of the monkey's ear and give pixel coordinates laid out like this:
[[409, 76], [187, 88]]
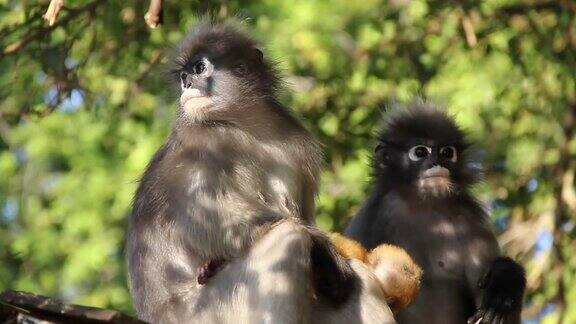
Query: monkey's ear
[[258, 55], [381, 155]]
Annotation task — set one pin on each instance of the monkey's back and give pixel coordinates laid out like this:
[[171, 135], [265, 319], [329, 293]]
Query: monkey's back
[[443, 240]]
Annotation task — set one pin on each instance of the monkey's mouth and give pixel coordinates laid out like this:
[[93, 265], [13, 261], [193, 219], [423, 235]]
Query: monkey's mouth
[[189, 94], [435, 177], [192, 98]]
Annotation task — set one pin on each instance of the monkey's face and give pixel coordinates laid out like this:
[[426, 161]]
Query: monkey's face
[[196, 83], [422, 151], [216, 83], [208, 88], [434, 165], [429, 167]]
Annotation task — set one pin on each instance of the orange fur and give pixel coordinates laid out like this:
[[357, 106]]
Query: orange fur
[[398, 274], [348, 248]]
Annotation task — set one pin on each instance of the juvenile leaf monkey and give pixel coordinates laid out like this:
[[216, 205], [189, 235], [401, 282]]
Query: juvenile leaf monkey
[[221, 228], [421, 202]]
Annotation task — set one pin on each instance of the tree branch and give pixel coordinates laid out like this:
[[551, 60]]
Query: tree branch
[[562, 168], [5, 131], [53, 10], [469, 30], [153, 16], [519, 9], [42, 31]]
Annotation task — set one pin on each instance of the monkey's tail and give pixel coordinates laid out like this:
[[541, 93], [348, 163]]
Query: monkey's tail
[[333, 279]]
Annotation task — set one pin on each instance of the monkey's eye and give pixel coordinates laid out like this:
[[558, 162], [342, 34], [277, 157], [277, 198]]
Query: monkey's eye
[[448, 153], [199, 67], [419, 152]]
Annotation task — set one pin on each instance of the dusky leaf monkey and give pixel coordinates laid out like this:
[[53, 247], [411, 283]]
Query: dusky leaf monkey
[[421, 201], [221, 228]]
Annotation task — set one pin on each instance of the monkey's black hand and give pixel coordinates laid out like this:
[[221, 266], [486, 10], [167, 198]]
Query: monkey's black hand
[[502, 289], [209, 270]]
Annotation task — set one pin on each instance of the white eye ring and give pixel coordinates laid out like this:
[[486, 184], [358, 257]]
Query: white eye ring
[[419, 152], [202, 67], [449, 153]]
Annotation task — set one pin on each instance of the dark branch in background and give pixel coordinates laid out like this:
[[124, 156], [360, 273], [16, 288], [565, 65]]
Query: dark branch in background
[[53, 10], [41, 31], [21, 307], [520, 9], [153, 16], [5, 131], [564, 167], [33, 17], [155, 58]]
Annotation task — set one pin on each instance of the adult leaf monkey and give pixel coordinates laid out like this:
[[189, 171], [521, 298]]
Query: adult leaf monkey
[[421, 202], [220, 230]]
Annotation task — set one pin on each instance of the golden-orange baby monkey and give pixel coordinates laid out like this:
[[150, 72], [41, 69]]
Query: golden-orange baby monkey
[[398, 274]]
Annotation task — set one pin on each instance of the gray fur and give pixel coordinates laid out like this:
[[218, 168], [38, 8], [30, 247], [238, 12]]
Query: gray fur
[[235, 180]]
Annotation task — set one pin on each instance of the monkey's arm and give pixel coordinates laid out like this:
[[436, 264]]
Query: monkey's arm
[[267, 285], [365, 223], [501, 291], [496, 282], [222, 225], [249, 222]]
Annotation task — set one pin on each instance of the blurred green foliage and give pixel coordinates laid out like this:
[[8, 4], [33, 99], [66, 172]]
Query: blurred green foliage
[[84, 105]]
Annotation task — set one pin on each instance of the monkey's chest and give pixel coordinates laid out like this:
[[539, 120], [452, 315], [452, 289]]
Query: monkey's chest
[[250, 181], [445, 258], [440, 248]]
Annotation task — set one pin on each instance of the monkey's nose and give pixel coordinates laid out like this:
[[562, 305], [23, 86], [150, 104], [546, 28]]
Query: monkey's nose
[[184, 80]]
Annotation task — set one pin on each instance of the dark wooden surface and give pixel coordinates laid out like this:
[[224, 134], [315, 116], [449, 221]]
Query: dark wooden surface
[[22, 307]]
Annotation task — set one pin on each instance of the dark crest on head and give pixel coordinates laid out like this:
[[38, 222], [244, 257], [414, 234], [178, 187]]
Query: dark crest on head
[[229, 49], [421, 145]]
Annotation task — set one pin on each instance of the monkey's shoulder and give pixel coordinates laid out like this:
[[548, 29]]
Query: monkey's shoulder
[[460, 209], [387, 217]]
